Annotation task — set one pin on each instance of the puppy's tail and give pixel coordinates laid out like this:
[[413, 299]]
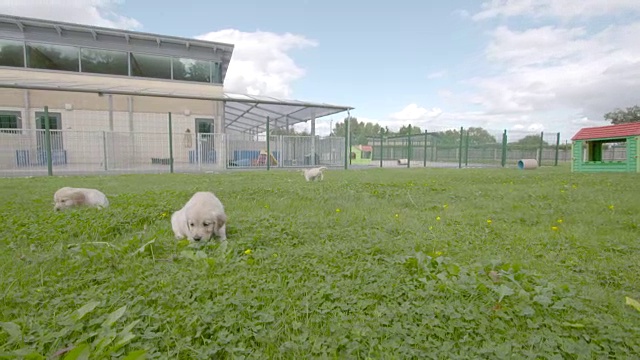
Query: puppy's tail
[[321, 168]]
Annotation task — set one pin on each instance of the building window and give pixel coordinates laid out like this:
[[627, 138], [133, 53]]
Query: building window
[[11, 53], [10, 122], [104, 62], [150, 66], [191, 70], [217, 73], [53, 57]]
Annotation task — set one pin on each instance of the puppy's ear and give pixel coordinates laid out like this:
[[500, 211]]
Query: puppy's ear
[[221, 219]]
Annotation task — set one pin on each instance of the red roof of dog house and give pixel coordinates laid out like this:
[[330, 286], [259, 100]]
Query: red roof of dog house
[[611, 131], [366, 148]]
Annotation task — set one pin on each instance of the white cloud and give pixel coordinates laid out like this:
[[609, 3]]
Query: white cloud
[[592, 74], [565, 9], [413, 112], [445, 93], [524, 48], [437, 74], [89, 12], [462, 13], [261, 64]]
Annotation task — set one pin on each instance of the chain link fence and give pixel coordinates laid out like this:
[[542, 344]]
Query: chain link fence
[[31, 152], [472, 147]]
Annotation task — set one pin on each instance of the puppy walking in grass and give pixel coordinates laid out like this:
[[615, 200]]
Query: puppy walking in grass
[[314, 174], [200, 218], [68, 197]]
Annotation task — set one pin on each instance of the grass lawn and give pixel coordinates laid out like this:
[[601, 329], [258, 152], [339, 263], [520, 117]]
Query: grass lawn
[[380, 263]]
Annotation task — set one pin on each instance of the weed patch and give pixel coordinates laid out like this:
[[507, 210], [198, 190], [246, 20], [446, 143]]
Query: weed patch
[[419, 263]]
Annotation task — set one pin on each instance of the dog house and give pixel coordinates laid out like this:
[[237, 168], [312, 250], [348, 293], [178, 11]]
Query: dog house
[[361, 154], [592, 151]]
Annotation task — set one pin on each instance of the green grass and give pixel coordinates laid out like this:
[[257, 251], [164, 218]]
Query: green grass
[[367, 264]]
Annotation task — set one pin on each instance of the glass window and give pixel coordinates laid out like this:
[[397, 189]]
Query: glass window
[[191, 70], [11, 53], [10, 122], [53, 57], [217, 73], [152, 66], [104, 62]]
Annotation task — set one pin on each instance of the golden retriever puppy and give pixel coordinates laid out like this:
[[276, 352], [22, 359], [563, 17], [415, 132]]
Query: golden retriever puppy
[[68, 197], [200, 218], [314, 174]]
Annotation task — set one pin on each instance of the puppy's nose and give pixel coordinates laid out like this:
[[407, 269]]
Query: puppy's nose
[[197, 238]]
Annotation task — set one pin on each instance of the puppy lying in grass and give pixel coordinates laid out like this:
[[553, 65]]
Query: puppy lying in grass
[[68, 197], [314, 173], [200, 218]]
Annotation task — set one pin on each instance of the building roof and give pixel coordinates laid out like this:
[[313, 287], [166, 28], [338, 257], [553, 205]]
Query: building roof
[[242, 112], [40, 29], [608, 132]]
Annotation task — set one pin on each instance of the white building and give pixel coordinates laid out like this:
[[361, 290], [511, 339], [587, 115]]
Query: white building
[[109, 94]]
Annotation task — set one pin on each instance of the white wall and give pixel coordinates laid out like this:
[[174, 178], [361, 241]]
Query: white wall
[[139, 124]]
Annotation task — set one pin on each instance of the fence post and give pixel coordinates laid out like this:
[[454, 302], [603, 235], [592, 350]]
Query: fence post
[[347, 151], [540, 149], [409, 148], [557, 149], [170, 145], [504, 148], [466, 149], [434, 149], [47, 141], [381, 150], [269, 147], [424, 158], [104, 150], [460, 148]]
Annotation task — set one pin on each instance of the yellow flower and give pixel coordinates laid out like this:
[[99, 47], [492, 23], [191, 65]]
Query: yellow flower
[[163, 215], [438, 218], [275, 255], [562, 191], [574, 186], [559, 221], [610, 207], [248, 251], [445, 206], [397, 216], [489, 221], [554, 228], [266, 206], [438, 253], [337, 210], [430, 227]]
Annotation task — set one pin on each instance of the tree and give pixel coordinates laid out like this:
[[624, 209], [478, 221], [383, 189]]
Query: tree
[[477, 136], [623, 116], [530, 141], [448, 137], [291, 132], [406, 130], [360, 131], [480, 136]]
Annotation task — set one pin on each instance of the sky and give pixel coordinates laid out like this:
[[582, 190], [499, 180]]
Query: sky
[[521, 65]]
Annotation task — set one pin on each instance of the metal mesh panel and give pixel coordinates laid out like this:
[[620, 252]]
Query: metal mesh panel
[[614, 152], [473, 147], [22, 152], [543, 147], [199, 152]]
